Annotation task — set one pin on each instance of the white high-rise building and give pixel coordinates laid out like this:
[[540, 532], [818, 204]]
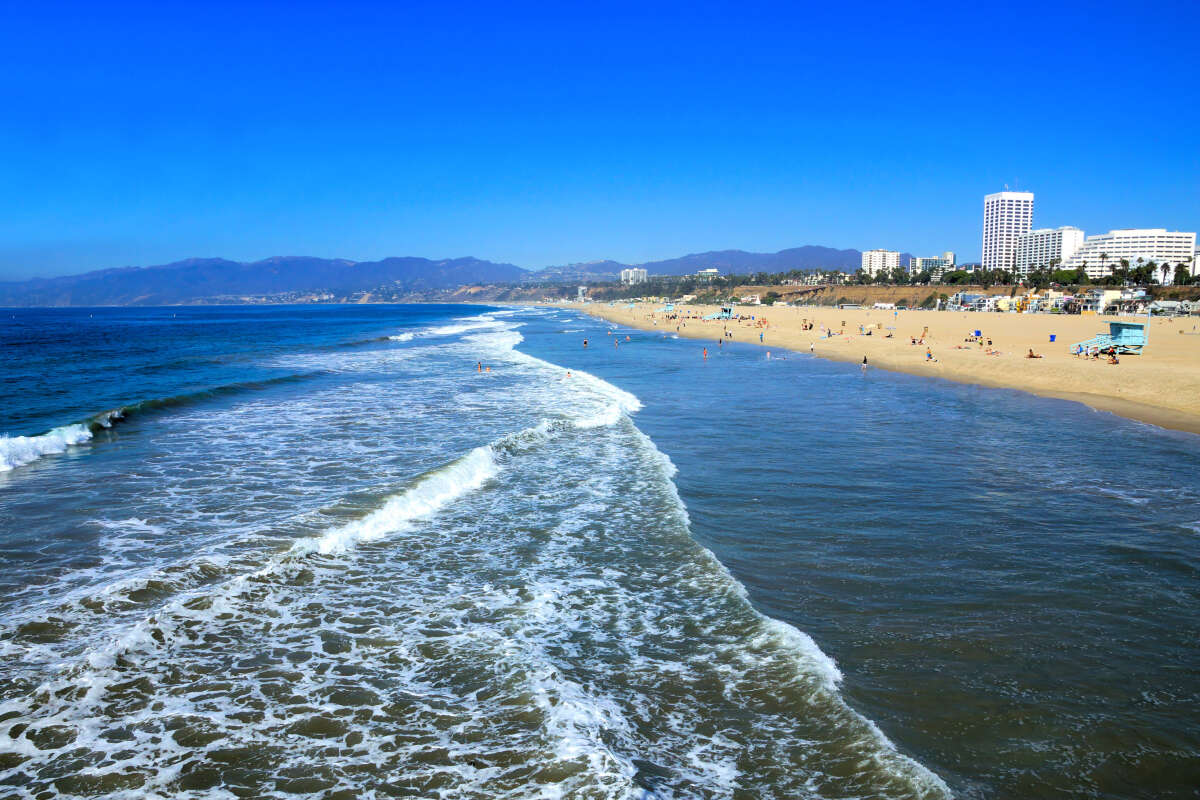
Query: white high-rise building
[[1103, 253], [1006, 215], [948, 257], [875, 262], [633, 275], [1046, 248]]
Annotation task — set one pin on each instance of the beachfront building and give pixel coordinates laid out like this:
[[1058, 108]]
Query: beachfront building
[[936, 266], [1101, 254], [1046, 248], [875, 262], [1006, 215], [634, 275]]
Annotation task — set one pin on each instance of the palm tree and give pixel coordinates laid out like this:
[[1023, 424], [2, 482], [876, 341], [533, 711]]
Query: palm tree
[[1103, 260], [1163, 269]]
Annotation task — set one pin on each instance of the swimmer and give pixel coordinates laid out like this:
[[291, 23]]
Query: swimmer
[[568, 373], [585, 344], [487, 370], [479, 366]]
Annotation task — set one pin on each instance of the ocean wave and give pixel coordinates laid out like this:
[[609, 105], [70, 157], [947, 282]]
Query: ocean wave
[[17, 451], [430, 492]]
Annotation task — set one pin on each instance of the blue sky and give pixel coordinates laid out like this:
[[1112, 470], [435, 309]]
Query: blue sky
[[542, 134]]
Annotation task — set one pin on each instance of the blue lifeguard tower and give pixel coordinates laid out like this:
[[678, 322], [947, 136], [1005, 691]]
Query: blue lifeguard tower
[[726, 312], [1126, 338]]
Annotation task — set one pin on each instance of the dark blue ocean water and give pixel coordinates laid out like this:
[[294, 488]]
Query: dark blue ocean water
[[309, 558]]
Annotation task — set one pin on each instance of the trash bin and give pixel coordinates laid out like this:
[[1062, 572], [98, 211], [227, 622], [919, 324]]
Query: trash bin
[[1052, 337], [977, 333]]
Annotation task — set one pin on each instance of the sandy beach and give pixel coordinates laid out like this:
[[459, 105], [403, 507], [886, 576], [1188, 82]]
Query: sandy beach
[[1161, 387]]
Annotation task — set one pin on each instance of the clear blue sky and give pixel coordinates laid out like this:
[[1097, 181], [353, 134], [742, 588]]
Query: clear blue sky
[[539, 135]]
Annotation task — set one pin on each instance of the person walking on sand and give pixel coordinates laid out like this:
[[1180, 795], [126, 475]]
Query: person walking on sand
[[760, 337], [812, 347]]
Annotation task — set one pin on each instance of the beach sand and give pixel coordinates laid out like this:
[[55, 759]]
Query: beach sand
[[1161, 387]]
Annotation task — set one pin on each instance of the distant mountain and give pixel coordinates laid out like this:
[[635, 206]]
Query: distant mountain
[[589, 271], [304, 278], [739, 261], [209, 279], [808, 257]]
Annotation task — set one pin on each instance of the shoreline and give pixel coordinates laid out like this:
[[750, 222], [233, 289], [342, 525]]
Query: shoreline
[[1161, 388]]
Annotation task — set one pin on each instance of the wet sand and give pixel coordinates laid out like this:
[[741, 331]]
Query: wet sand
[[1161, 387]]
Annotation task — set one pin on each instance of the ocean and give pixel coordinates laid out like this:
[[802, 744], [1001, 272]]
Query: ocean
[[397, 551]]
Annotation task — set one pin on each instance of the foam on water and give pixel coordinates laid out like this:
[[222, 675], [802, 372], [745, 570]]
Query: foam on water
[[17, 451], [545, 626]]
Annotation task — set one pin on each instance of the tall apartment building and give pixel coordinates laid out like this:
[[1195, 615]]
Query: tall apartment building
[[1103, 253], [1006, 215], [633, 275], [1046, 248], [876, 261]]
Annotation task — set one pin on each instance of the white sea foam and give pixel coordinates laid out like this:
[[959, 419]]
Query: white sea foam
[[489, 639], [16, 451], [431, 492], [402, 337]]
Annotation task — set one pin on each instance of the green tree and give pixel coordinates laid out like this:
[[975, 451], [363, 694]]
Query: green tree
[[1182, 276]]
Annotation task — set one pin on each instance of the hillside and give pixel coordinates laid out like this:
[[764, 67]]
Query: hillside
[[209, 279]]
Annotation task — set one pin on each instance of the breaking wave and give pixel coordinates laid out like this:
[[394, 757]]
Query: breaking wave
[[16, 451]]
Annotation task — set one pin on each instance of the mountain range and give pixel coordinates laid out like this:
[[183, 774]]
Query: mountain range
[[217, 279]]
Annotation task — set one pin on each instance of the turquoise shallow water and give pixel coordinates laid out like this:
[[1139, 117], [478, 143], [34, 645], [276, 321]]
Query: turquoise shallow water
[[315, 552]]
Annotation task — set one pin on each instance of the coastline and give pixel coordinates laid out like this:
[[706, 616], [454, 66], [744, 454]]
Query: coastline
[[1161, 388]]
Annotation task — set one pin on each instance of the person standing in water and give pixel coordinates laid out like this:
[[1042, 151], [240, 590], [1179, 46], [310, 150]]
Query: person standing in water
[[706, 354], [585, 344], [864, 364], [479, 366]]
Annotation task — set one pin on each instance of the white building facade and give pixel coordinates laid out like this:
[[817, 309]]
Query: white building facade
[[1103, 253], [634, 275], [937, 266], [1046, 248], [875, 262], [1006, 215]]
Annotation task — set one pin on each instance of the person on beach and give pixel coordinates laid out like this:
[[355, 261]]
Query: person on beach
[[1112, 357], [812, 347], [929, 355], [864, 364], [760, 337], [1032, 354]]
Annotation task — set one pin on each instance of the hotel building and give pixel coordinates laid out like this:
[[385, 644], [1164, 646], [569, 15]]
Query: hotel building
[[1006, 215], [875, 262], [1046, 248], [634, 275], [1103, 253]]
